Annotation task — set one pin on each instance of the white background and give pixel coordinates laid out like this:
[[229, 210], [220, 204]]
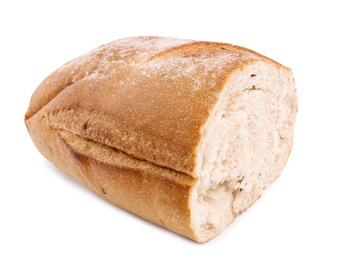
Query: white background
[[47, 215]]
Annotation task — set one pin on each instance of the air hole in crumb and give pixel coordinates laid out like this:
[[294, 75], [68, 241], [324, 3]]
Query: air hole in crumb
[[253, 87], [253, 75], [222, 48], [207, 226], [207, 199], [103, 191]]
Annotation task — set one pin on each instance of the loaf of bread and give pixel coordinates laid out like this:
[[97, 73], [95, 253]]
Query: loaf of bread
[[186, 134]]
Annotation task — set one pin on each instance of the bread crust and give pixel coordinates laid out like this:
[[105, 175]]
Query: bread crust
[[127, 118]]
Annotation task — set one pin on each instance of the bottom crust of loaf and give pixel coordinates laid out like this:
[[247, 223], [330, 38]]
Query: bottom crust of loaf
[[157, 194], [154, 193]]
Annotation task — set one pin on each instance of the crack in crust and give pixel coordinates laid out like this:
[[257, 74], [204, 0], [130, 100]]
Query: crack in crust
[[115, 134]]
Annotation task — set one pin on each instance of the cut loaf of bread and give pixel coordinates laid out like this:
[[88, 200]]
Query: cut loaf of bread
[[185, 134]]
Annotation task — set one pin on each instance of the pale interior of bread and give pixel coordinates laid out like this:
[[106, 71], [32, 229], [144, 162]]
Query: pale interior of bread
[[245, 144]]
